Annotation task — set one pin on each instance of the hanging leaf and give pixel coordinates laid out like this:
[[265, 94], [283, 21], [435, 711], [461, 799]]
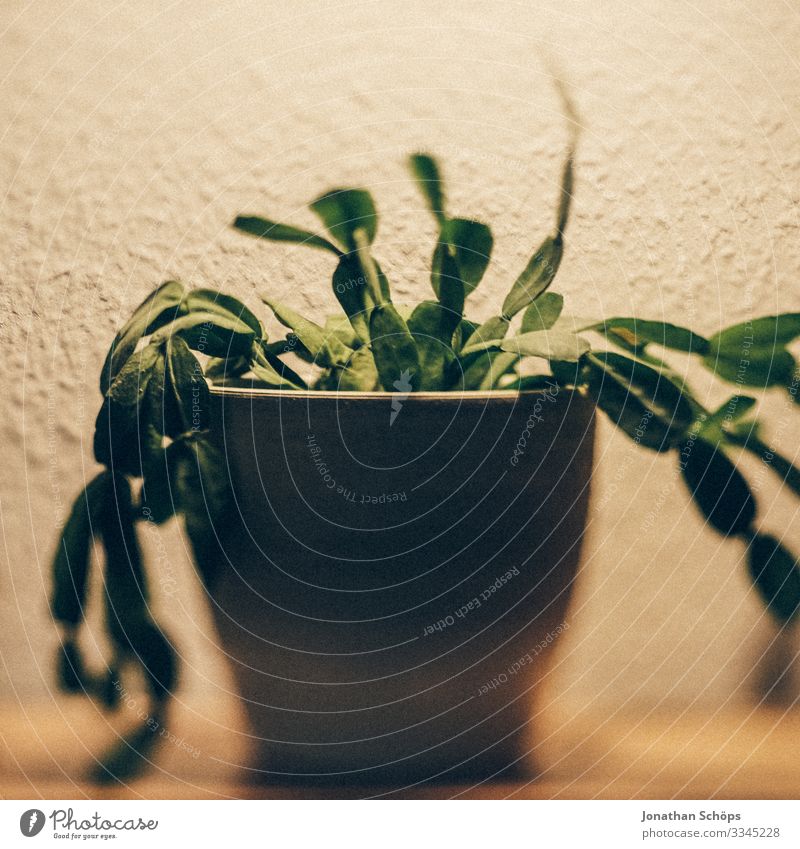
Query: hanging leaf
[[643, 403], [393, 348], [263, 228], [776, 576], [130, 623], [343, 211], [71, 561], [209, 300], [211, 333], [718, 488], [158, 309]]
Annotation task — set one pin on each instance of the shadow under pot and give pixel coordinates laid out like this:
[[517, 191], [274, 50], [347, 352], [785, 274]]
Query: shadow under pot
[[397, 574]]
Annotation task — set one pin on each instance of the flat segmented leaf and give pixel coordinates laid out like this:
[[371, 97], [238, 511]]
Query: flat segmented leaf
[[536, 277], [360, 374], [426, 173], [343, 211], [129, 386], [352, 292], [543, 313], [765, 334], [637, 333], [754, 367], [263, 228]]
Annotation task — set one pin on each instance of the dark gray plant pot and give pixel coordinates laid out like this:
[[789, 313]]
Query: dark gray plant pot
[[393, 590]]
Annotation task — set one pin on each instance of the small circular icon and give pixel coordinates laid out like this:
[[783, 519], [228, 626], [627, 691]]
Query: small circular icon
[[31, 822]]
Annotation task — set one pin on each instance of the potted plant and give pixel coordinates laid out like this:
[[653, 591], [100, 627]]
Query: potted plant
[[390, 540]]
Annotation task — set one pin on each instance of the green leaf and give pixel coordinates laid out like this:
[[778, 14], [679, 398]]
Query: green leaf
[[549, 344], [209, 300], [343, 211], [487, 370], [393, 348], [716, 485], [72, 557], [764, 335], [636, 333], [543, 313], [157, 309], [776, 576], [537, 276], [211, 333], [462, 333], [263, 228], [758, 368], [340, 327], [360, 374], [492, 330], [471, 246], [325, 348], [124, 438], [350, 288], [129, 386], [426, 173], [160, 498], [432, 327], [127, 612], [645, 404], [203, 485], [446, 281]]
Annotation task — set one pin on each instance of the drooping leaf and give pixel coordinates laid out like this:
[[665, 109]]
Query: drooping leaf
[[717, 486], [72, 557], [343, 211], [637, 333], [426, 172], [393, 348], [536, 277], [263, 228], [130, 623], [776, 576], [645, 404], [187, 382], [157, 309], [209, 300], [211, 333], [203, 484], [129, 386], [543, 313]]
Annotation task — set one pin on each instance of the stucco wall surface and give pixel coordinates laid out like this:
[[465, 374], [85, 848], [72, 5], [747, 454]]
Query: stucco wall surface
[[132, 133]]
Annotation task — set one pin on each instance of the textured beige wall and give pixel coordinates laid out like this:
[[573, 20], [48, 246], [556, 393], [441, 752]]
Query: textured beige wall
[[132, 133]]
